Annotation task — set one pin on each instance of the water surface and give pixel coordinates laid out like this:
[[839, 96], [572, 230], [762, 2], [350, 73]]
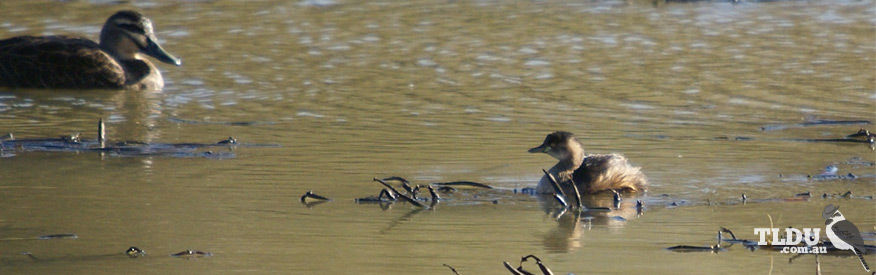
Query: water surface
[[442, 91]]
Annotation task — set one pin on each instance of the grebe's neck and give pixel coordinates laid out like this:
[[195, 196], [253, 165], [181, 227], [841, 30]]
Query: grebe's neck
[[574, 159]]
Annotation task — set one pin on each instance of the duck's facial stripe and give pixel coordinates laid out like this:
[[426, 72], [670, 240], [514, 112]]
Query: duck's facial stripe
[[131, 28]]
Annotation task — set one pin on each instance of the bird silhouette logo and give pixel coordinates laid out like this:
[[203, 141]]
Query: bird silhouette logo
[[844, 234]]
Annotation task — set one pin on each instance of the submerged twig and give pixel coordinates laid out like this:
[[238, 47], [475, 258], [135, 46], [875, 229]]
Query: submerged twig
[[463, 183], [30, 255], [58, 236], [511, 269], [451, 269], [690, 248]]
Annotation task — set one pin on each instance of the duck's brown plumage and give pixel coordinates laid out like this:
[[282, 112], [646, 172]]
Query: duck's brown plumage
[[57, 61], [590, 173], [79, 63]]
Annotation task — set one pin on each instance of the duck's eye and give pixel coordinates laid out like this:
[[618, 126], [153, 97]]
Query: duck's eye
[[132, 28]]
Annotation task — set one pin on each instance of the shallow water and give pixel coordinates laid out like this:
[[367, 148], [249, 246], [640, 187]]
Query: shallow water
[[444, 91]]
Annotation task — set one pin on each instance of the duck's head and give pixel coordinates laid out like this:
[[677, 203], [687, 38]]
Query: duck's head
[[127, 33], [560, 145]]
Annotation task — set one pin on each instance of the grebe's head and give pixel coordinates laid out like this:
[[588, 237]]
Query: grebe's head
[[560, 145]]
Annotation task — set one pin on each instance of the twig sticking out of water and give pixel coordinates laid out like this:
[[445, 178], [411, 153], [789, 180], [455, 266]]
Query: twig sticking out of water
[[616, 199], [560, 195], [519, 270], [557, 189], [578, 201], [410, 190], [560, 199], [386, 193], [101, 133], [544, 269], [434, 194], [725, 230]]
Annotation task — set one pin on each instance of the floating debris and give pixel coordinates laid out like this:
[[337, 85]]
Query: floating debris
[[58, 236], [310, 199], [135, 252], [690, 248], [229, 123], [463, 183], [75, 143], [616, 199], [229, 140], [30, 255], [191, 254], [310, 195], [712, 248], [399, 194], [863, 135], [640, 207], [813, 123]]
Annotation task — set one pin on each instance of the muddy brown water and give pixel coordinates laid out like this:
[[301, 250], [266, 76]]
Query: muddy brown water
[[443, 91]]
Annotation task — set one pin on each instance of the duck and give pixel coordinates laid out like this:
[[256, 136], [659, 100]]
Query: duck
[[70, 62], [593, 173]]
